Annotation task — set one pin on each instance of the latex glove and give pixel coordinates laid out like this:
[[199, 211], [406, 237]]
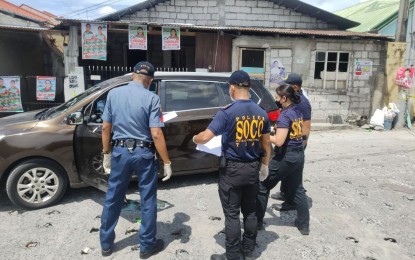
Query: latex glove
[[167, 172], [106, 163], [263, 172]]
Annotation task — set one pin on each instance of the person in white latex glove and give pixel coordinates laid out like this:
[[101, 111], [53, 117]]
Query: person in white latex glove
[[106, 163], [263, 172], [167, 171]]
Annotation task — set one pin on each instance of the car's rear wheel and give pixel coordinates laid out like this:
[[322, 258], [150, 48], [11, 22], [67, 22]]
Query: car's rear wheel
[[36, 183]]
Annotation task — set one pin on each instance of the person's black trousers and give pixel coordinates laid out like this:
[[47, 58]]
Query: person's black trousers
[[238, 190], [287, 167]]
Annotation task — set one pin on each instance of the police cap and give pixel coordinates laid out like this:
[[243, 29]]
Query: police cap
[[240, 78], [144, 68]]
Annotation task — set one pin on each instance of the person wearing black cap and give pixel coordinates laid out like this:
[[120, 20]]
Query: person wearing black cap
[[304, 106], [288, 162], [132, 113], [245, 129]]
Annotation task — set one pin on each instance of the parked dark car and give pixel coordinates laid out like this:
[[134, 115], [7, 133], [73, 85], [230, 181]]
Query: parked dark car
[[42, 153]]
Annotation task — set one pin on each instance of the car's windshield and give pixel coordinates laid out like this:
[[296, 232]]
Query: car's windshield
[[55, 111]]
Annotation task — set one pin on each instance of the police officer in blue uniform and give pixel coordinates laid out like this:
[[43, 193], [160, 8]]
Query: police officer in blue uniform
[[304, 106], [288, 162], [245, 128], [133, 113]]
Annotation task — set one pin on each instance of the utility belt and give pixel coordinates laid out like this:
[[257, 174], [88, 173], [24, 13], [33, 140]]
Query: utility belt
[[131, 144], [224, 161], [283, 150]]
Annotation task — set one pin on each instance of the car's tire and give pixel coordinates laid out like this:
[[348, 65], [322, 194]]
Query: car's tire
[[36, 183]]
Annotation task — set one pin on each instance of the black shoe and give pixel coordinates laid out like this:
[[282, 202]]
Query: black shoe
[[284, 206], [260, 226], [279, 196], [246, 253], [305, 231], [158, 247], [106, 252], [218, 256]]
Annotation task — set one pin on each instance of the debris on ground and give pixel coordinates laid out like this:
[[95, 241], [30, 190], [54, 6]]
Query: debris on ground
[[352, 239], [131, 230], [356, 119], [32, 244], [214, 218], [85, 251], [94, 229]]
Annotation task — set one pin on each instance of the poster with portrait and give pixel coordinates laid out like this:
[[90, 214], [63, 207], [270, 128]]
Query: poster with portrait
[[94, 41], [405, 77], [137, 37], [277, 72], [45, 88], [171, 38], [10, 97], [363, 68]]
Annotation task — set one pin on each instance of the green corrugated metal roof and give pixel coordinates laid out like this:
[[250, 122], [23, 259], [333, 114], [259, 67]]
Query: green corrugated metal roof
[[370, 14]]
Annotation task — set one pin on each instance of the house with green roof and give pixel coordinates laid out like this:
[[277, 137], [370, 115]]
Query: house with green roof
[[376, 16]]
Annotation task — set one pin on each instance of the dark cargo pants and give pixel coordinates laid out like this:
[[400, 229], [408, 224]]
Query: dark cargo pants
[[238, 190]]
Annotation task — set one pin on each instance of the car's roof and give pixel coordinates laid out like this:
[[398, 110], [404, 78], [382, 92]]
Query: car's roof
[[198, 74], [192, 74]]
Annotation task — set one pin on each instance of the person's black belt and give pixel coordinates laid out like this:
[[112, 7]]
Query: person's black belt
[[282, 150], [132, 143], [294, 149], [243, 161]]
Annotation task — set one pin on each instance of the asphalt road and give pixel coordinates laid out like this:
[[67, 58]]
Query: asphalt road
[[361, 185]]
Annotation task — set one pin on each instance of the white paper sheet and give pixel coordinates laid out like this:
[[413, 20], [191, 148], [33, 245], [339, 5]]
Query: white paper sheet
[[169, 116], [214, 146]]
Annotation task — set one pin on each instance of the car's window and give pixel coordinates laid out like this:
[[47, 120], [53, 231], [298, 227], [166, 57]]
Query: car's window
[[225, 90], [65, 106], [186, 95]]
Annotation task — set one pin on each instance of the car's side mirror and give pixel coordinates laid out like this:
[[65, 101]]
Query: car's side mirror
[[75, 118]]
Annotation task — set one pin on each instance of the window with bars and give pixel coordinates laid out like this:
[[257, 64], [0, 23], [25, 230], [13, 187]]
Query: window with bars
[[331, 69]]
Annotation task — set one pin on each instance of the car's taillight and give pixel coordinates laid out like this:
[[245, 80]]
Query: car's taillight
[[273, 115]]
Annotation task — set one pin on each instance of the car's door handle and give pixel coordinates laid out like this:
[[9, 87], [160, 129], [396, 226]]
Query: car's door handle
[[97, 130]]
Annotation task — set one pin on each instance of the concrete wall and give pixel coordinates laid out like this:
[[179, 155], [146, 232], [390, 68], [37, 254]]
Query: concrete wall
[[354, 98], [228, 13]]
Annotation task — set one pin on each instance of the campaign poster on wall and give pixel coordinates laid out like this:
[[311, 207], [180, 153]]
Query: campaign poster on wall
[[10, 97], [45, 88], [94, 41], [137, 36], [277, 72], [405, 77], [171, 38], [363, 68]]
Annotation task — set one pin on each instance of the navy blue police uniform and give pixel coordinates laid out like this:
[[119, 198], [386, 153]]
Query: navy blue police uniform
[[241, 125], [305, 108], [287, 165], [132, 110]]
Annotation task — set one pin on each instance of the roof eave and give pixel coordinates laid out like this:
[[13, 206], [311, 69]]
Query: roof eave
[[296, 5]]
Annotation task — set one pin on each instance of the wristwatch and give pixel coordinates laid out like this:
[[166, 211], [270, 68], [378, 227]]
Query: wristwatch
[[305, 137], [105, 152]]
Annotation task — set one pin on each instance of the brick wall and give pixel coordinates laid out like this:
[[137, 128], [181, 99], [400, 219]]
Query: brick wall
[[354, 98], [357, 96], [228, 13]]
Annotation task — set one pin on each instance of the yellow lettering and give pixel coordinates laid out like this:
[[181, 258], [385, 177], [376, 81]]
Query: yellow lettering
[[239, 130], [296, 129], [246, 129], [253, 131]]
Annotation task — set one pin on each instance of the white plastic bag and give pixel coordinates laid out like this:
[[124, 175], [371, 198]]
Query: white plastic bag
[[378, 118]]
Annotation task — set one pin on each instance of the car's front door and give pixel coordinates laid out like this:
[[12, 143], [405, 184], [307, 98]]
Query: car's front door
[[88, 141], [88, 145]]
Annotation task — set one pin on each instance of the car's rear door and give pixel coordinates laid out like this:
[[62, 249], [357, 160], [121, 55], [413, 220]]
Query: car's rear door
[[195, 102]]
